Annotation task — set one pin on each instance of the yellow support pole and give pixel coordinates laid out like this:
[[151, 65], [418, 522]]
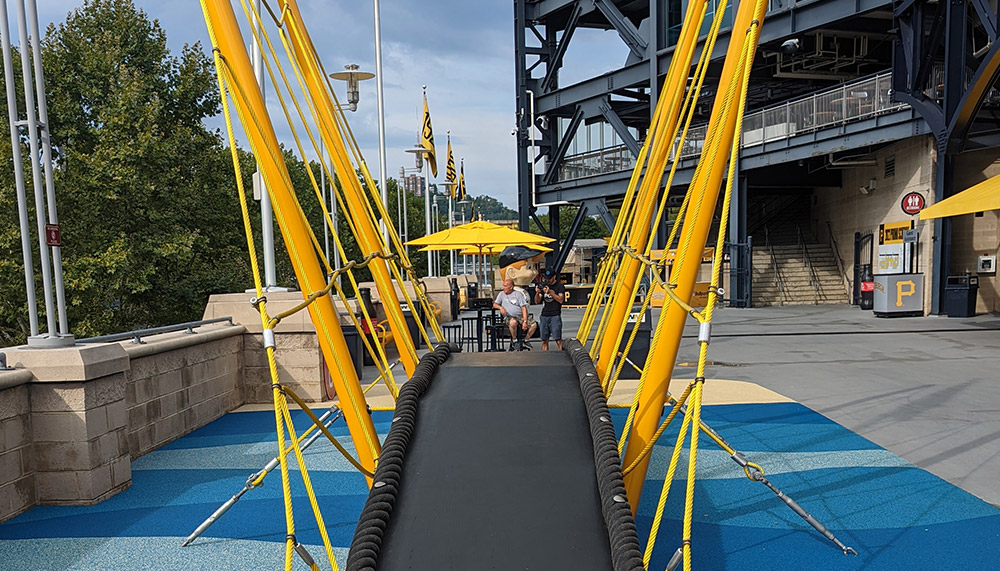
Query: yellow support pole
[[368, 236], [667, 118], [249, 103], [663, 352]]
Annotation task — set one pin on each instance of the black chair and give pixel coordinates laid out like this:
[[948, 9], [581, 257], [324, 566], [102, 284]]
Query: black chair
[[453, 333], [470, 333]]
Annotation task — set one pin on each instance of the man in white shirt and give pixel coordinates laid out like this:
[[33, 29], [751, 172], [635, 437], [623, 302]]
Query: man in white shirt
[[513, 306]]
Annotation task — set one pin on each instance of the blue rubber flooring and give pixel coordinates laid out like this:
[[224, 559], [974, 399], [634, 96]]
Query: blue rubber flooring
[[896, 515]]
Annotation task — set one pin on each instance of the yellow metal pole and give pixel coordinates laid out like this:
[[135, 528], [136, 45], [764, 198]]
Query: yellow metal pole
[[368, 236], [249, 103], [663, 351], [669, 116]]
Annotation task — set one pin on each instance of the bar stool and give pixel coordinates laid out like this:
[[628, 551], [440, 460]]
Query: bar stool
[[470, 333], [453, 333]]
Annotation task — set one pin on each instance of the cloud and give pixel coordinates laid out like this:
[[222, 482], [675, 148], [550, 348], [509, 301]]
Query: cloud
[[462, 51]]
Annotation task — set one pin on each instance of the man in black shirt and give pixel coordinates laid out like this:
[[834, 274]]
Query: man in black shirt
[[550, 290]]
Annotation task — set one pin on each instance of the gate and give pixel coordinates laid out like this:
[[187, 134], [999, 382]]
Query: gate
[[739, 258], [863, 252]]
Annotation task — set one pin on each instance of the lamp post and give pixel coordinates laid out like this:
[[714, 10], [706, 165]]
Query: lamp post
[[353, 77], [451, 218], [420, 151]]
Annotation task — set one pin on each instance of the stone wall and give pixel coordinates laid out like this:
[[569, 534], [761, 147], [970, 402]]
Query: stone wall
[[72, 419], [176, 385], [17, 466], [976, 235], [848, 210]]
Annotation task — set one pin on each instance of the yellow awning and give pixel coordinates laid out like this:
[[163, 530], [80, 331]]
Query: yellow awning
[[983, 196]]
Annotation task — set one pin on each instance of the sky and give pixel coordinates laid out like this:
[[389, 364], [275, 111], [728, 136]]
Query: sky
[[462, 50]]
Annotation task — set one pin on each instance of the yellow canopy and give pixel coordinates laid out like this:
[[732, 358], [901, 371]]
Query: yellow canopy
[[478, 235], [486, 251], [983, 196]]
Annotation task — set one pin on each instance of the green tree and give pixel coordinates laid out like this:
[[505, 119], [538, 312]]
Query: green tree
[[144, 191], [592, 226], [489, 208]]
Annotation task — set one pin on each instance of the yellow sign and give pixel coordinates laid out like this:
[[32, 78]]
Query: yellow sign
[[900, 293], [893, 233], [706, 256], [699, 297]]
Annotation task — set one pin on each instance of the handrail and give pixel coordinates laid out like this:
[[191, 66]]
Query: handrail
[[860, 99], [813, 276], [138, 334], [774, 264], [840, 262]]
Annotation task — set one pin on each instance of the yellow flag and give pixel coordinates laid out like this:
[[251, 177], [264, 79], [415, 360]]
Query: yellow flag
[[449, 171], [427, 140], [461, 183]]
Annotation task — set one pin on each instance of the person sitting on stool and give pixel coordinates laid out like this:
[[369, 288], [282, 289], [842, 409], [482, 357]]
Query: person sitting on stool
[[513, 306], [550, 290]]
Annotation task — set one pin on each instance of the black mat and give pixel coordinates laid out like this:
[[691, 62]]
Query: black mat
[[499, 473]]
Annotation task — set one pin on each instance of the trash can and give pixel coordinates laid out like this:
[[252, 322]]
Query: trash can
[[412, 326], [640, 347], [368, 328], [355, 347], [473, 292], [867, 287], [960, 296], [455, 298]]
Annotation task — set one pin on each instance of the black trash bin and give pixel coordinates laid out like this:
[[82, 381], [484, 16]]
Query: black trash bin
[[867, 287], [365, 295], [413, 327], [640, 347], [960, 296], [355, 347], [455, 298], [473, 292]]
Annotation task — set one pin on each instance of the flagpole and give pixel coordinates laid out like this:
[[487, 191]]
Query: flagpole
[[383, 175]]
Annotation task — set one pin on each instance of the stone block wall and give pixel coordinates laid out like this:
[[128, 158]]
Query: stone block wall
[[72, 419], [177, 385], [848, 210], [17, 467]]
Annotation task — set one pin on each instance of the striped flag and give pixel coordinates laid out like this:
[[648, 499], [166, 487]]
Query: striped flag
[[427, 140], [461, 182], [449, 175]]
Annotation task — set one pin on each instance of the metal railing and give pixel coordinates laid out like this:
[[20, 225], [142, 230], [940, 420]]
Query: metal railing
[[137, 335], [853, 101], [840, 261], [778, 282], [813, 276]]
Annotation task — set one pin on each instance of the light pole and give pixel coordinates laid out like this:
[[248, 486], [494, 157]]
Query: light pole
[[353, 77], [381, 117], [420, 151], [418, 159], [451, 218]]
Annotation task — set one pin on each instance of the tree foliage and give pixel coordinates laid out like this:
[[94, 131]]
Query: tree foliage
[[145, 190]]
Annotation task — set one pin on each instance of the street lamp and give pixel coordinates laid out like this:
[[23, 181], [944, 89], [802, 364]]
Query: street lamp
[[353, 77], [419, 151]]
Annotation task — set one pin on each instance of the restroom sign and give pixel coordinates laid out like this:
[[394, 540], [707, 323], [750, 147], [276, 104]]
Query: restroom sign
[[912, 203]]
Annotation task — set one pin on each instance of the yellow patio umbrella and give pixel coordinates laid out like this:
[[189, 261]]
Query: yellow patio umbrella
[[478, 235], [495, 250]]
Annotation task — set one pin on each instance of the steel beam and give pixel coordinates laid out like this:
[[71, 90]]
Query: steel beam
[[618, 125], [555, 62], [567, 138], [794, 20], [635, 42]]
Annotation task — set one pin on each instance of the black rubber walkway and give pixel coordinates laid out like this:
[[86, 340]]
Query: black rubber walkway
[[499, 472]]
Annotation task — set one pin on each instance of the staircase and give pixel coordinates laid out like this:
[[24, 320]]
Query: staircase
[[792, 280]]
